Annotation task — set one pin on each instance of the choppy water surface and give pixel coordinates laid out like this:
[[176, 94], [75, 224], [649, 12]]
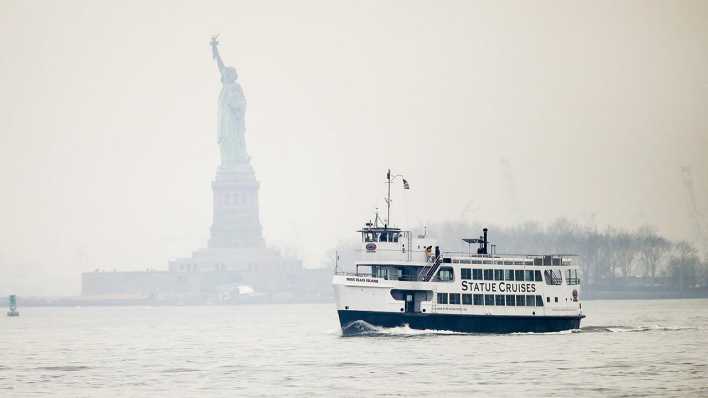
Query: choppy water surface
[[625, 348]]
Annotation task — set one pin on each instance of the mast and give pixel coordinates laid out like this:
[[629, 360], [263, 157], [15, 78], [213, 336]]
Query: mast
[[388, 199]]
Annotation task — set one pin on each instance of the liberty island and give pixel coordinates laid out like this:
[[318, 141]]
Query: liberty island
[[236, 265]]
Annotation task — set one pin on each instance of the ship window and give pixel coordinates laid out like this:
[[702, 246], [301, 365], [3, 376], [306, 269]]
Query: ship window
[[476, 262], [369, 237], [499, 299], [488, 299], [498, 274], [519, 275], [509, 275], [538, 261], [442, 298], [379, 272], [477, 298], [488, 275], [454, 298], [520, 301], [539, 301], [466, 273], [395, 274], [528, 275], [486, 261], [445, 274], [530, 301], [476, 274], [466, 299], [537, 275], [508, 263], [548, 299], [556, 261], [510, 300], [556, 299]]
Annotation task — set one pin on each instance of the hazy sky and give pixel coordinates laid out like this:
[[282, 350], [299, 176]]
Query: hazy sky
[[108, 121]]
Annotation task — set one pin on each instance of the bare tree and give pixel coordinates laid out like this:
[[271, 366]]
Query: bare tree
[[653, 249], [683, 266], [604, 256]]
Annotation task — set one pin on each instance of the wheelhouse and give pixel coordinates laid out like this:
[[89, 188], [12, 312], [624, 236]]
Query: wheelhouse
[[385, 235]]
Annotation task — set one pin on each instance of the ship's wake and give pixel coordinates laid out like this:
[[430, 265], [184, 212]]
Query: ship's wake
[[363, 328], [622, 329]]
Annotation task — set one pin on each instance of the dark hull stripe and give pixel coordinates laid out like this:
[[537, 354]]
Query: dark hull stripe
[[460, 323]]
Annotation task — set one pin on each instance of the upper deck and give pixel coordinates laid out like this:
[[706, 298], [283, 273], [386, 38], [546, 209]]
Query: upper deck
[[396, 245], [542, 260]]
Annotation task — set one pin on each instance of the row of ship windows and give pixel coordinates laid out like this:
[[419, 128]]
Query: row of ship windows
[[547, 260], [516, 300], [552, 277], [478, 274]]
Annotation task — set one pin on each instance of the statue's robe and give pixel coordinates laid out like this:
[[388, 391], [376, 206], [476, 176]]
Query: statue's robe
[[232, 125]]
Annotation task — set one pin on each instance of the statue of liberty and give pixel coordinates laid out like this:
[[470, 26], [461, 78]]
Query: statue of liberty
[[231, 127]]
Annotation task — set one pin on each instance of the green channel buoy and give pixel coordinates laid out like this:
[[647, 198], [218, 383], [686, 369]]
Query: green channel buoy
[[13, 306]]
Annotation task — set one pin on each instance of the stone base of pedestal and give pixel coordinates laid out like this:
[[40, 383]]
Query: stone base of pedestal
[[236, 221]]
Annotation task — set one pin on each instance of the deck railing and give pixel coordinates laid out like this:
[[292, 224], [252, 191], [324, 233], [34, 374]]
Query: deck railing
[[405, 278], [540, 260]]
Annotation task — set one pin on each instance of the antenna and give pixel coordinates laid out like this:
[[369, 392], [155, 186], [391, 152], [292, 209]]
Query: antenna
[[390, 178], [388, 199]]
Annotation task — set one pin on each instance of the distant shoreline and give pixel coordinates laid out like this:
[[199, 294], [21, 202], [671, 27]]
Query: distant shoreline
[[79, 301], [642, 294]]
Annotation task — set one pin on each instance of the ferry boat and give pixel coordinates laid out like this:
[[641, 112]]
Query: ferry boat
[[401, 280]]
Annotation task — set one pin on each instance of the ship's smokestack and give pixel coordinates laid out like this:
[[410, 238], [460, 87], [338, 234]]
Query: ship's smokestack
[[485, 240]]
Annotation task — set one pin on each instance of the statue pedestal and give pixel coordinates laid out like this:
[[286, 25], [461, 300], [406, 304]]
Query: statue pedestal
[[236, 221], [236, 243]]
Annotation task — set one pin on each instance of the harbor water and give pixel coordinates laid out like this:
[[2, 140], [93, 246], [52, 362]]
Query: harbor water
[[624, 348]]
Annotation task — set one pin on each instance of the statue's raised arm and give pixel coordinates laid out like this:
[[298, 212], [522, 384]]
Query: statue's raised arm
[[215, 53]]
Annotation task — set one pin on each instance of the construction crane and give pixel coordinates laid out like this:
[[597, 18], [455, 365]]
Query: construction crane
[[510, 188], [694, 212]]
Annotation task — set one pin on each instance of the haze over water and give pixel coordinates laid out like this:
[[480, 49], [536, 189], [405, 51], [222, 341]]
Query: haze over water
[[625, 348]]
